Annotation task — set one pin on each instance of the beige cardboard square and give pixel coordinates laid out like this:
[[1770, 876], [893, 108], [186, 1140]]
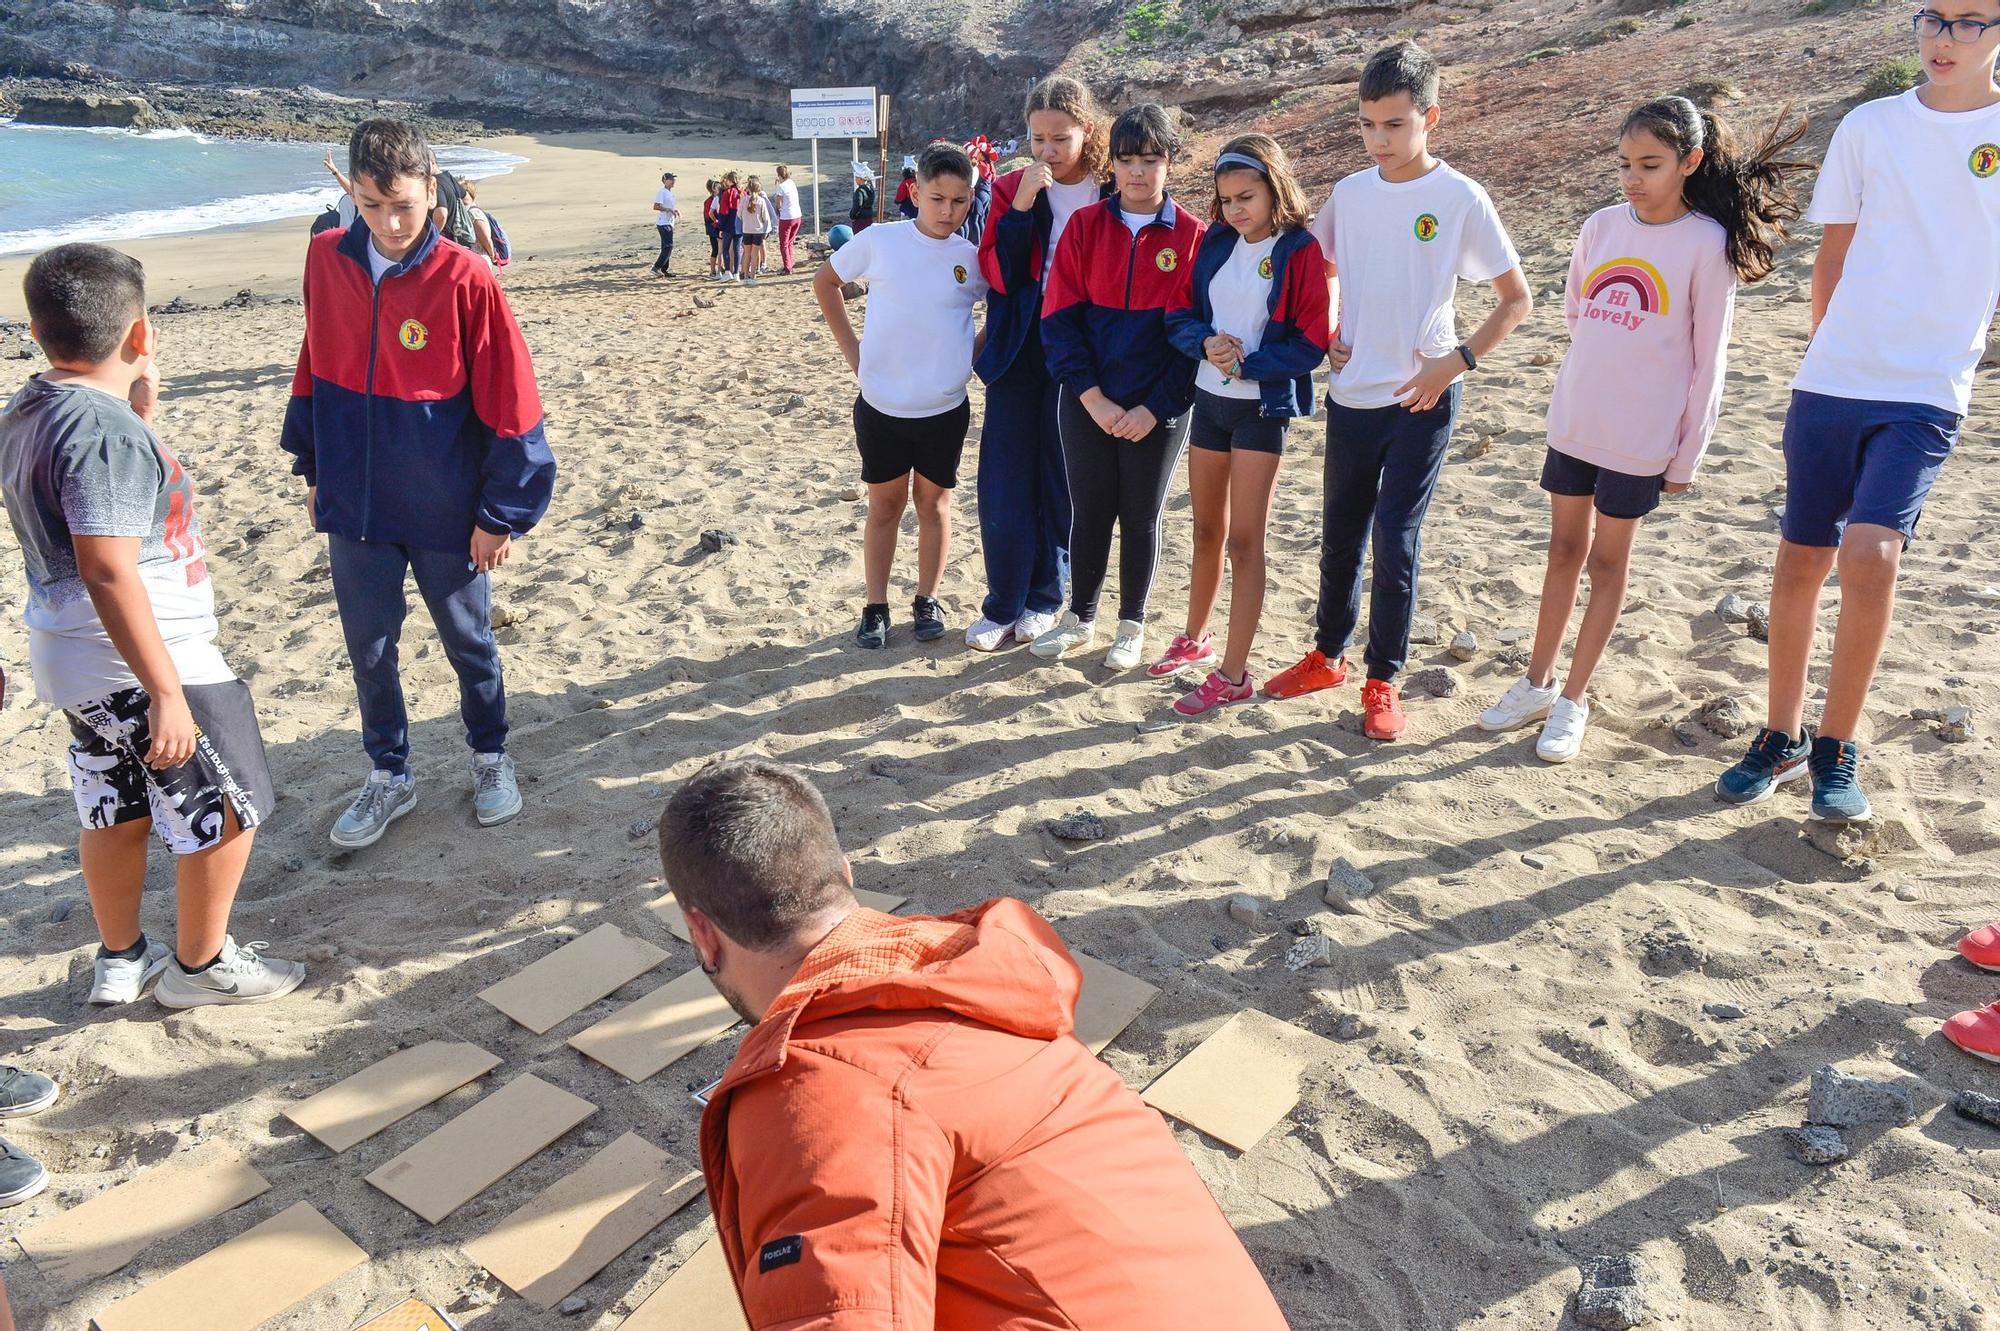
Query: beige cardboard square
[[674, 1020], [1240, 1082], [463, 1158], [350, 1112], [550, 991], [580, 1224], [700, 1296], [245, 1282], [1108, 1003], [97, 1237], [669, 912]]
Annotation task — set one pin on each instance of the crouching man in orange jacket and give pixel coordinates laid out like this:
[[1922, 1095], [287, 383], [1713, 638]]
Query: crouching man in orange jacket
[[910, 1136]]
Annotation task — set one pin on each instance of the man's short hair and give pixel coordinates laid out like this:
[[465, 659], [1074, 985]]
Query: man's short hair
[[82, 299], [750, 844], [945, 159], [1403, 67], [387, 151]]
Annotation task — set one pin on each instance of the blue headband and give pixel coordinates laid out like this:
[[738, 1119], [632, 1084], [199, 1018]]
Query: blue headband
[[1228, 160]]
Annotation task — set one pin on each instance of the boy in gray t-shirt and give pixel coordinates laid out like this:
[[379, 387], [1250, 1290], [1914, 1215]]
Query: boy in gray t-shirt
[[121, 635]]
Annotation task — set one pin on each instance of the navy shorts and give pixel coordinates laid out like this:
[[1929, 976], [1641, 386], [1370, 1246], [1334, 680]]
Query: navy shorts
[[1849, 460], [1221, 423], [1616, 493]]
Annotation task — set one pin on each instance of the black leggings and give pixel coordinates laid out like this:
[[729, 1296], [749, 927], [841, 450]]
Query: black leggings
[[1121, 483]]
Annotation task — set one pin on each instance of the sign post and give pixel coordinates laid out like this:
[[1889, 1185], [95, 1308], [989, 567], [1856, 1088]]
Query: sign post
[[833, 113]]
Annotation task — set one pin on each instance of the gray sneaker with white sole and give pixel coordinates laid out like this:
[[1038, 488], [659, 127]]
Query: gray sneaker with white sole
[[496, 796], [121, 980], [23, 1092], [383, 799], [243, 975], [21, 1176]]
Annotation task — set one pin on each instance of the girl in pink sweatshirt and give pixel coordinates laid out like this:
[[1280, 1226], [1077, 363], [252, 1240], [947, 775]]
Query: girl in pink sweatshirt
[[1652, 287]]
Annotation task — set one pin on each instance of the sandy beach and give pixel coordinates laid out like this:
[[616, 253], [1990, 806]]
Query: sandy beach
[[1528, 1072]]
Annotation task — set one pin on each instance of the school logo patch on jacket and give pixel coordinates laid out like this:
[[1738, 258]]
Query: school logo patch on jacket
[[1168, 261], [413, 335]]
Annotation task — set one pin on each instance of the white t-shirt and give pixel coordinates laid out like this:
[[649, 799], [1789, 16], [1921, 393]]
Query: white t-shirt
[[1908, 319], [787, 195], [1064, 200], [1239, 297], [916, 343], [665, 198], [1401, 250]]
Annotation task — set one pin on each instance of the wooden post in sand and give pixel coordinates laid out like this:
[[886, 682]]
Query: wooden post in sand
[[882, 131]]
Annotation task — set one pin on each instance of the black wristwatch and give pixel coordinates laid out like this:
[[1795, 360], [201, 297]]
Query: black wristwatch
[[1465, 353]]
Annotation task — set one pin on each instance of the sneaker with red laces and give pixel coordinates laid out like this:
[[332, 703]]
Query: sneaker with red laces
[[1186, 654], [1977, 1032], [1217, 690], [1981, 947], [1381, 710], [1308, 676]]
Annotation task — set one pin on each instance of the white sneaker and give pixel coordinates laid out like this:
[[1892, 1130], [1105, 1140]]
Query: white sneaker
[[382, 799], [1034, 623], [121, 981], [1128, 647], [1520, 705], [1563, 735], [1070, 633], [242, 976], [987, 636], [496, 796]]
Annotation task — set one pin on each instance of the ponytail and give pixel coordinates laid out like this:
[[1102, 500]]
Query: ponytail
[[1748, 194]]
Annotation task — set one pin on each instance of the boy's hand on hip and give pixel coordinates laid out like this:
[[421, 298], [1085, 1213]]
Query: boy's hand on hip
[[1433, 379], [1338, 355], [489, 551], [172, 728]]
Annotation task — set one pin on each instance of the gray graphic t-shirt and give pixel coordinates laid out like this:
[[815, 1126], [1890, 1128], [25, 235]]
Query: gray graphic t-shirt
[[75, 461]]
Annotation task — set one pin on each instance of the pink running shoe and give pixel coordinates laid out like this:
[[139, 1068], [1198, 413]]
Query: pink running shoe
[[1216, 691], [1186, 654]]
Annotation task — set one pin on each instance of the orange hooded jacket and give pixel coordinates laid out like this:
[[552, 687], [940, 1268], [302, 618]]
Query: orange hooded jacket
[[912, 1139]]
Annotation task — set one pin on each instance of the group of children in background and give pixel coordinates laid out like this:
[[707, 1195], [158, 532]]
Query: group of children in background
[[739, 216]]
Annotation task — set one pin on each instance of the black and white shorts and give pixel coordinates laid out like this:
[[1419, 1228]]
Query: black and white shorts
[[113, 784]]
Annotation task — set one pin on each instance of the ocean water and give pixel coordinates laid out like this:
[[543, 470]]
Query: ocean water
[[60, 185]]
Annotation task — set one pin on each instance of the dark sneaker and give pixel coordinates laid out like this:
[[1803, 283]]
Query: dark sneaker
[[874, 630], [20, 1176], [1836, 784], [23, 1092], [926, 619], [1774, 756]]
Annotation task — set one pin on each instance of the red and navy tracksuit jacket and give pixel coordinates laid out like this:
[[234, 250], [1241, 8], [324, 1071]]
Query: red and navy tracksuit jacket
[[414, 410], [1010, 258], [1295, 340], [1104, 312]]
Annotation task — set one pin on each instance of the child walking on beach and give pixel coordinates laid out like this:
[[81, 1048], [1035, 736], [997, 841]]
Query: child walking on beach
[[121, 635], [1651, 291], [755, 215], [1123, 409], [1257, 326], [913, 360], [1903, 295], [1402, 235], [417, 425], [785, 194], [1023, 492]]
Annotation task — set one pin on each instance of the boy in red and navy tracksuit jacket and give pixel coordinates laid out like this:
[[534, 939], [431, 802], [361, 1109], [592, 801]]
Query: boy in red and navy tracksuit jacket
[[417, 425], [1125, 391]]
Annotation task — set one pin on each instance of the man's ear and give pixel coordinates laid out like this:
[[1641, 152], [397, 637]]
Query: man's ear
[[847, 870], [707, 939]]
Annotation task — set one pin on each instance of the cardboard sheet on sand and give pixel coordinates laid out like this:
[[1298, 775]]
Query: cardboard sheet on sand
[[580, 1224], [700, 1296], [546, 993], [1240, 1082], [463, 1158], [1109, 1002], [350, 1112], [674, 1020], [245, 1282]]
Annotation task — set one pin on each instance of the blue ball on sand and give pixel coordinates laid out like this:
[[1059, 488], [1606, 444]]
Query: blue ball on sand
[[839, 236]]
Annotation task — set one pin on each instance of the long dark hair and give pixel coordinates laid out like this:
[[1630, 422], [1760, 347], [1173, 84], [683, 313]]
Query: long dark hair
[[1749, 194]]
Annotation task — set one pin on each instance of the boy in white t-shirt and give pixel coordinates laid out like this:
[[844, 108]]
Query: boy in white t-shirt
[[1903, 293], [1400, 237], [666, 212], [913, 361]]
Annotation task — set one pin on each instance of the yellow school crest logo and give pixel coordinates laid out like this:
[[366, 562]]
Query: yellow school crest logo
[[1426, 228], [1985, 160], [413, 335], [1264, 267], [1168, 261], [958, 273]]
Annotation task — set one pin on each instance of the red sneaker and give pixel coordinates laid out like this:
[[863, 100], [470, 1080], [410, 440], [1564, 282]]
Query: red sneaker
[[1981, 947], [1381, 710], [1977, 1032], [1308, 676]]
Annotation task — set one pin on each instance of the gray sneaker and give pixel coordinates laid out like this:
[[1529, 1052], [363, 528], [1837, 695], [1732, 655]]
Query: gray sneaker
[[23, 1092], [20, 1176], [243, 975], [120, 981], [495, 795], [381, 801]]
